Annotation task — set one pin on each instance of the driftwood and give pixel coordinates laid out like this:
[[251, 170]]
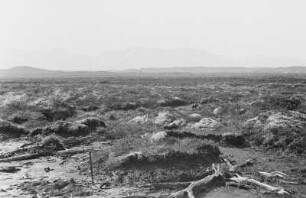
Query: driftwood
[[236, 180], [234, 168], [189, 191], [278, 190], [274, 174]]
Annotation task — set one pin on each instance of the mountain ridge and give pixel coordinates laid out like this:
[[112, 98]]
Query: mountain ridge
[[36, 72]]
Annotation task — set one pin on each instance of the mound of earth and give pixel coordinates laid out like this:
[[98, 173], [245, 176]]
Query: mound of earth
[[92, 122], [10, 130], [195, 117], [64, 129], [175, 124], [279, 130], [21, 117], [157, 136], [161, 161], [172, 102], [140, 119], [205, 123], [57, 111], [163, 118], [279, 101]]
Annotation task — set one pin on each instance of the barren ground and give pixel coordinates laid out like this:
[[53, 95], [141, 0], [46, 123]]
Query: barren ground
[[144, 140]]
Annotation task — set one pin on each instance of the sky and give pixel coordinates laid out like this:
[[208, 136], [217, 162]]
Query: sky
[[246, 31]]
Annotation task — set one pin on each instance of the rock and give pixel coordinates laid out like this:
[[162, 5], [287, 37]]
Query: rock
[[92, 122], [194, 105], [140, 119], [163, 118], [157, 136], [242, 111], [208, 100], [10, 130], [175, 124], [172, 102], [48, 169], [218, 111], [195, 117], [206, 123], [280, 130]]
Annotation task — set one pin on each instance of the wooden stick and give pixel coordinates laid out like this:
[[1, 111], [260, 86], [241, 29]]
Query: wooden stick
[[278, 190], [91, 169]]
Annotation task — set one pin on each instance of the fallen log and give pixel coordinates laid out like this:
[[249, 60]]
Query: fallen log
[[278, 190]]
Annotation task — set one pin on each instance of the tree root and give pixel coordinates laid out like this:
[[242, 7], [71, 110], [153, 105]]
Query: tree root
[[189, 191]]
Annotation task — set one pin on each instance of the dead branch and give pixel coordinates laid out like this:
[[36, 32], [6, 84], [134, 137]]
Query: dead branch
[[278, 190], [21, 157], [273, 174], [203, 182], [234, 168]]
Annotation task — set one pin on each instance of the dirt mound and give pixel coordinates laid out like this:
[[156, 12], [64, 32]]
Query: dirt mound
[[279, 101], [64, 129], [162, 161], [67, 129], [56, 188], [279, 130], [172, 102], [205, 123], [164, 117], [195, 117], [226, 139], [10, 130], [175, 124], [92, 122], [53, 143], [208, 100], [158, 136], [140, 119], [57, 111]]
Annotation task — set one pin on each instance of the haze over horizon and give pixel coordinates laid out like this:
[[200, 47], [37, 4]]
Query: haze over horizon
[[118, 34]]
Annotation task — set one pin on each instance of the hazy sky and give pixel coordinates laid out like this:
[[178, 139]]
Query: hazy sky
[[234, 28]]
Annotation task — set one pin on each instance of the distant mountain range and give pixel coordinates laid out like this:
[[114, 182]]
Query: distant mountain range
[[136, 58], [28, 72]]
